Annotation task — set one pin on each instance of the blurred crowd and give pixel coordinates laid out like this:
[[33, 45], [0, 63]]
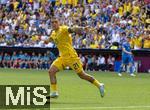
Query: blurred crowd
[[97, 62], [25, 22], [40, 61], [26, 60]]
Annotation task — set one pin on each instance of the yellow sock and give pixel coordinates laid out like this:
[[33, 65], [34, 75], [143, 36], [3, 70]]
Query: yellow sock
[[96, 83], [54, 87]]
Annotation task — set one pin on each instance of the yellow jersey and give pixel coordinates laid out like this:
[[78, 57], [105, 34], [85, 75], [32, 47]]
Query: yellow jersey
[[136, 10], [137, 42], [15, 4], [90, 1], [63, 40], [125, 7], [94, 46], [121, 11], [146, 43], [75, 2], [31, 1], [70, 2], [129, 7]]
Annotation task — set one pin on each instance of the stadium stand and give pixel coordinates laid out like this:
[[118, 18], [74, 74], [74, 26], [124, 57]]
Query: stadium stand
[[23, 23]]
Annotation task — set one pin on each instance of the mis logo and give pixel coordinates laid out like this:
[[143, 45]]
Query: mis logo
[[23, 96]]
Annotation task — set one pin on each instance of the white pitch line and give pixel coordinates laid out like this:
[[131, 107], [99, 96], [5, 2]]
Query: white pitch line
[[97, 108]]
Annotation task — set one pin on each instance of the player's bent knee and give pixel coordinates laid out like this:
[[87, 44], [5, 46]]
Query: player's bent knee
[[53, 70]]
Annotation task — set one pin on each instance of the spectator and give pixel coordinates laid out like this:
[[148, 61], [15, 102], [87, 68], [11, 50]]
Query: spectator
[[94, 63], [146, 38], [27, 61], [34, 61], [6, 61], [110, 63], [137, 41], [1, 58], [21, 60], [83, 61], [40, 61], [14, 60], [89, 63], [101, 63], [51, 55], [46, 61]]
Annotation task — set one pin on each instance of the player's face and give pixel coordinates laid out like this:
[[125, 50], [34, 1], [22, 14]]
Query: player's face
[[55, 24]]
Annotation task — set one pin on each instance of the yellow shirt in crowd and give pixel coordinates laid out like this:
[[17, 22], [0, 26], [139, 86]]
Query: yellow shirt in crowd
[[73, 2], [31, 1], [146, 43], [125, 7], [128, 7], [94, 46], [136, 10], [121, 11], [137, 42], [15, 4]]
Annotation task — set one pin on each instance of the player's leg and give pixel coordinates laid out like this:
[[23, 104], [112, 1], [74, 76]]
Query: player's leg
[[91, 79], [120, 69], [131, 66], [123, 62], [55, 67], [77, 67], [53, 81]]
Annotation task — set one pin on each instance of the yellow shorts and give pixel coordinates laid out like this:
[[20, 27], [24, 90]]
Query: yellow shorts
[[73, 63]]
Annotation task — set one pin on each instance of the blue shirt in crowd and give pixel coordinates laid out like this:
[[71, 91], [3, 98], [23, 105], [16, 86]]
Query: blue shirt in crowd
[[22, 56], [0, 58], [46, 58], [34, 58], [14, 57], [7, 57]]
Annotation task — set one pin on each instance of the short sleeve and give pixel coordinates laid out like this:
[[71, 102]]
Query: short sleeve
[[65, 29]]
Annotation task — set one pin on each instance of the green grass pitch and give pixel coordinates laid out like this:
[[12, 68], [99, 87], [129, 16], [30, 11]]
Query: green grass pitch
[[122, 93]]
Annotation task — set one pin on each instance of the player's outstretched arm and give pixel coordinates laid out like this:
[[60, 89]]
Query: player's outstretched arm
[[48, 40]]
